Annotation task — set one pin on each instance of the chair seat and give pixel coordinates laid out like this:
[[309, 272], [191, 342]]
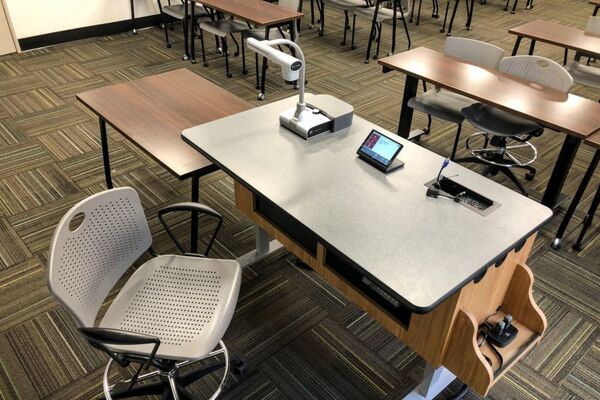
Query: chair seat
[[585, 74], [442, 104], [346, 4], [498, 122], [224, 27], [187, 302], [384, 13], [178, 10]]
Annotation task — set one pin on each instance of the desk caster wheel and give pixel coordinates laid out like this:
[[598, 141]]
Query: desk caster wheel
[[261, 96], [442, 30], [529, 176], [239, 367], [367, 61], [449, 34], [512, 12], [555, 244], [193, 61], [185, 57], [390, 54], [469, 27], [134, 31], [236, 54], [168, 45], [310, 26], [320, 32], [162, 26], [577, 247]]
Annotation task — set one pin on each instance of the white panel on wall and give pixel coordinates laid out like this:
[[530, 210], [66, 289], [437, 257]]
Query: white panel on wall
[[38, 17]]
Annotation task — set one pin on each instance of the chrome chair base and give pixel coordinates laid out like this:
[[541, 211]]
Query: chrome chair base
[[172, 383]]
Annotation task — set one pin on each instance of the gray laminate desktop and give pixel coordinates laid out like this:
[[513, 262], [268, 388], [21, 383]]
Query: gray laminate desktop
[[423, 249]]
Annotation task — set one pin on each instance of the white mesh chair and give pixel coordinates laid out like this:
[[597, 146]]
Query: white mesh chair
[[582, 73], [172, 311], [503, 142], [446, 105], [382, 12]]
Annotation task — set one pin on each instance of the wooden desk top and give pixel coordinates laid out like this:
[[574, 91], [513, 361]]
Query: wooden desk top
[[152, 112], [559, 35], [258, 12], [566, 113]]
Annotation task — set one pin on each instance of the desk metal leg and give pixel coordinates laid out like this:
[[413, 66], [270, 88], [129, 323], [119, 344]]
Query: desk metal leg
[[517, 44], [469, 24], [263, 74], [105, 155], [560, 171], [531, 47], [194, 221], [434, 381], [452, 18], [265, 246], [596, 10], [372, 33], [576, 199], [406, 113], [193, 33], [587, 220], [133, 29], [186, 56]]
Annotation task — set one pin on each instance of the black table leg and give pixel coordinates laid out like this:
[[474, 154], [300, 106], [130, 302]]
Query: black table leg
[[576, 199], [133, 29], [406, 113], [517, 44], [561, 170], [368, 56], [263, 74], [194, 221], [193, 32], [596, 10], [105, 155], [469, 24], [452, 18], [531, 47], [186, 56], [394, 23], [418, 12], [587, 220]]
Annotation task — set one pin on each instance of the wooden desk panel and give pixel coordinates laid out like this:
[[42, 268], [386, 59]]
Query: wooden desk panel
[[570, 114], [594, 140], [559, 35], [255, 11], [152, 112]]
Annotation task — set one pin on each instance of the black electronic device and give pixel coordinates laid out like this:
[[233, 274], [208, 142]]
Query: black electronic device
[[503, 332], [380, 151]]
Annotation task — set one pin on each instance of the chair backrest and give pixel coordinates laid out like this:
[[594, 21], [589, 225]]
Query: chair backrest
[[593, 26], [292, 5], [473, 51], [87, 260], [539, 70]]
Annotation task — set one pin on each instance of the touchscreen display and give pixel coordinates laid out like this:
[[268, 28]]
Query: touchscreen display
[[380, 148]]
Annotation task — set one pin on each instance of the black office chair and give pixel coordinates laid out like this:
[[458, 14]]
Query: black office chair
[[503, 143], [178, 12]]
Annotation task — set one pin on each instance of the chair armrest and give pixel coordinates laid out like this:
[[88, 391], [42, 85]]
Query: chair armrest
[[194, 208], [102, 336]]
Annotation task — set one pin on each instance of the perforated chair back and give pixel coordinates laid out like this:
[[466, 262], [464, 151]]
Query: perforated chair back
[[291, 5], [593, 26], [473, 51], [86, 262], [539, 70]]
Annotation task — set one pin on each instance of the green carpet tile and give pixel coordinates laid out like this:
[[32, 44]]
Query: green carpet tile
[[301, 338]]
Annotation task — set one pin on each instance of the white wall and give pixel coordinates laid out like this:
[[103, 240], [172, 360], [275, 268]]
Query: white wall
[[38, 17]]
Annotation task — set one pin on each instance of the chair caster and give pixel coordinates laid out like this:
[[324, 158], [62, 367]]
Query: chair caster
[[205, 64], [134, 31], [239, 368], [375, 57], [577, 247], [512, 12], [529, 176], [229, 75], [390, 54], [442, 30], [236, 54], [342, 43], [219, 50], [353, 47], [367, 61], [555, 244], [168, 45], [505, 8], [310, 26], [162, 26], [469, 27], [449, 34], [320, 32], [185, 57], [193, 61], [245, 71], [261, 96]]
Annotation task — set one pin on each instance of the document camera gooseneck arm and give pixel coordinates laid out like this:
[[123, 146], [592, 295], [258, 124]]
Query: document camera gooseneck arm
[[292, 68]]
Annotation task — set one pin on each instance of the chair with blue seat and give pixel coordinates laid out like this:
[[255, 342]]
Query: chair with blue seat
[[171, 312]]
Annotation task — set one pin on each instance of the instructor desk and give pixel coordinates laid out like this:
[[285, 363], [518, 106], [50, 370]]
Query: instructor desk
[[430, 270]]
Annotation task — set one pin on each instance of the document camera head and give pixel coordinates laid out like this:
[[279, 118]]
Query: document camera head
[[290, 66]]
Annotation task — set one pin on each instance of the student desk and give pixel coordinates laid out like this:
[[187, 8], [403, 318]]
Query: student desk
[[559, 35], [151, 112], [257, 12], [573, 115], [430, 270]]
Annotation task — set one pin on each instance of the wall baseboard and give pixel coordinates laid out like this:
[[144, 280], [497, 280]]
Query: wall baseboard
[[111, 28]]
